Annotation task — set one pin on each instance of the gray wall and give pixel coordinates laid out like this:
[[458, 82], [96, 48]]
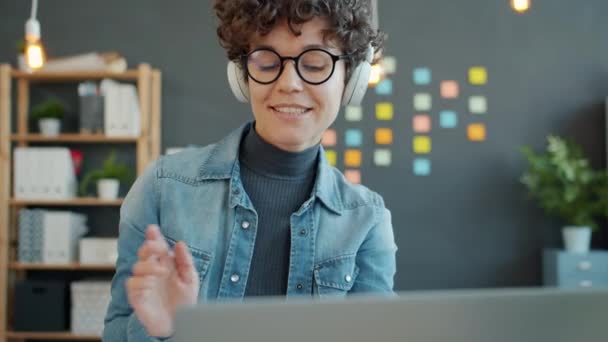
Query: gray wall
[[468, 224]]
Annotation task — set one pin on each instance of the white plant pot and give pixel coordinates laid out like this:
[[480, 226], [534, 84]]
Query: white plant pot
[[107, 188], [49, 127], [577, 239]]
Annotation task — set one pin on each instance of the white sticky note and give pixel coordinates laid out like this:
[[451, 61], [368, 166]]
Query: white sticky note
[[423, 102], [389, 64], [353, 113], [382, 157], [478, 105]]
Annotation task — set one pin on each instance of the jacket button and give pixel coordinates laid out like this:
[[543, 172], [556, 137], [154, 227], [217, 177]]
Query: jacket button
[[302, 232], [348, 278], [234, 278], [299, 286], [245, 225]]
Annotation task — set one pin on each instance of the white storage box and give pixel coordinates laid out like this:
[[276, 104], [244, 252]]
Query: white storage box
[[98, 251], [90, 300]]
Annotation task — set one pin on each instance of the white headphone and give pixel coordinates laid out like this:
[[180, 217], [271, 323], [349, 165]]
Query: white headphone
[[353, 92]]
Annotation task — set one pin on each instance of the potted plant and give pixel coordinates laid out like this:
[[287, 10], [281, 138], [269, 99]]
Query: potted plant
[[108, 178], [566, 186], [49, 115]]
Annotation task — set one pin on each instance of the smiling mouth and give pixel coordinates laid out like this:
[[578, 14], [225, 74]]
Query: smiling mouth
[[292, 111]]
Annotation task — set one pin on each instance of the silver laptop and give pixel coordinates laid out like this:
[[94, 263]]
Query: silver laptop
[[506, 315]]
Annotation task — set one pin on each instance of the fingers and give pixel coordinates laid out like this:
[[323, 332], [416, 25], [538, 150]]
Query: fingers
[[149, 267], [155, 244], [184, 263]]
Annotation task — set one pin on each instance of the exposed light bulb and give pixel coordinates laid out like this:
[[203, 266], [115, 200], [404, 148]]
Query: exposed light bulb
[[34, 51], [520, 6], [376, 74]]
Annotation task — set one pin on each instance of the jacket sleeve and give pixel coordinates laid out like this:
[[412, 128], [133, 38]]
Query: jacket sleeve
[[140, 208], [376, 257]]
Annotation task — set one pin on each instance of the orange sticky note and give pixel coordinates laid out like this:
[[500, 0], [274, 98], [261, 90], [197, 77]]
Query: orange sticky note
[[422, 123], [353, 176], [384, 136], [331, 157], [329, 138], [478, 75], [449, 89], [476, 132], [384, 111], [352, 158], [422, 144]]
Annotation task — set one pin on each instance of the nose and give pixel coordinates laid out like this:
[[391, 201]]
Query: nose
[[289, 81]]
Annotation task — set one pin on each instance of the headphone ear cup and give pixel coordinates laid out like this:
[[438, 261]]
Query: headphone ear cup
[[357, 83], [236, 79]]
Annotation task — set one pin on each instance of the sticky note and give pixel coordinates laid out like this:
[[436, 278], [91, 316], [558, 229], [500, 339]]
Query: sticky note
[[478, 105], [389, 64], [353, 176], [422, 102], [353, 137], [422, 144], [385, 87], [384, 136], [448, 119], [422, 167], [422, 76], [329, 138], [421, 123], [352, 158], [384, 111], [449, 89], [382, 157], [353, 113], [476, 132], [331, 156], [478, 75]]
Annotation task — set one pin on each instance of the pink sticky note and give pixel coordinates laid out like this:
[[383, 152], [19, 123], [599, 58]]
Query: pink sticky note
[[353, 176], [449, 89], [422, 123], [329, 138]]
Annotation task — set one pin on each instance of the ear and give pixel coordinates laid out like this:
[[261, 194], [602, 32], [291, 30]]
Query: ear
[[357, 83], [238, 85]]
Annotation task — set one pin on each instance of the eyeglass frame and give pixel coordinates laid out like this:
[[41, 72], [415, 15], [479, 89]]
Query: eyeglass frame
[[282, 59]]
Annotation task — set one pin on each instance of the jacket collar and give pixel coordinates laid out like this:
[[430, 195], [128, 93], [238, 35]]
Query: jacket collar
[[223, 163]]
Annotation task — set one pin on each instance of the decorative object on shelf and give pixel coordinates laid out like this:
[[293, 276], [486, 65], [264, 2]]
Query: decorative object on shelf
[[49, 115], [91, 110], [108, 178], [566, 186]]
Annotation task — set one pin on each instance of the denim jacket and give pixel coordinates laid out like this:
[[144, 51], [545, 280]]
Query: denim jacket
[[341, 237]]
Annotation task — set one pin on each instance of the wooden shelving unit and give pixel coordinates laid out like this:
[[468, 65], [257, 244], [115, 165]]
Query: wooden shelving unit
[[147, 148]]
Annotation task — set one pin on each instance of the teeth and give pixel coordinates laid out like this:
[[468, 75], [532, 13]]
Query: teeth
[[290, 110]]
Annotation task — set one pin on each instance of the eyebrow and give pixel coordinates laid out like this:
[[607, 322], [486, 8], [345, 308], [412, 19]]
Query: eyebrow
[[307, 47]]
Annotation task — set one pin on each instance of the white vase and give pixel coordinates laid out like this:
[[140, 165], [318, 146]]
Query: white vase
[[577, 239], [49, 127], [107, 188]]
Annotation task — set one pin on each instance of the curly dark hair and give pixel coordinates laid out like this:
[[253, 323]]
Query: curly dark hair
[[350, 23]]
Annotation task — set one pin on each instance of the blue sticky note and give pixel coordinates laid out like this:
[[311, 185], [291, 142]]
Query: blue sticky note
[[353, 137], [422, 167], [448, 119], [422, 76], [385, 87]]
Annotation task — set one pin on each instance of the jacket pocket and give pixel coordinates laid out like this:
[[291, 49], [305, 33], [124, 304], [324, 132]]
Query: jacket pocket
[[336, 276], [201, 260]]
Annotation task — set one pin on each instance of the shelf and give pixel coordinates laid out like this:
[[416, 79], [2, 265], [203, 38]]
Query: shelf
[[60, 336], [72, 138], [43, 76], [68, 267], [78, 202]]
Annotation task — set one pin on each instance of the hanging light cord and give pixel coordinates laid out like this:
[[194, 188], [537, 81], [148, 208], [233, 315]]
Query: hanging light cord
[[34, 9]]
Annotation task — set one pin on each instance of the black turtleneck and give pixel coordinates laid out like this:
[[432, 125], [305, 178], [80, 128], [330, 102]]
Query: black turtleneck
[[277, 183]]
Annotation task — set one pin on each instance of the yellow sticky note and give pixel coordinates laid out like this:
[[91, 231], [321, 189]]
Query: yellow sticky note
[[476, 132], [331, 157], [478, 75], [384, 136], [384, 111], [422, 144], [352, 158]]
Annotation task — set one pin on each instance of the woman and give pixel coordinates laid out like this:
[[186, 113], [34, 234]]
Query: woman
[[260, 213]]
